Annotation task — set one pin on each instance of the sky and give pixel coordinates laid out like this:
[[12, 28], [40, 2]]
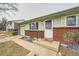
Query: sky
[[29, 11]]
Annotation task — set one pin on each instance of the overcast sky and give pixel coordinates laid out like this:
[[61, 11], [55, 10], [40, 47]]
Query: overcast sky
[[32, 10]]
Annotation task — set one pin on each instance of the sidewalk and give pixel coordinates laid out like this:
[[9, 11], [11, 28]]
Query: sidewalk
[[38, 50]]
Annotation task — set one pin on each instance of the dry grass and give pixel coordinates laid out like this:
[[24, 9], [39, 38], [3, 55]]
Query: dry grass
[[5, 34], [10, 48]]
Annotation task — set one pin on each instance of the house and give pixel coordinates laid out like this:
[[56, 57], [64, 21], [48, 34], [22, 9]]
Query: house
[[13, 25], [52, 26]]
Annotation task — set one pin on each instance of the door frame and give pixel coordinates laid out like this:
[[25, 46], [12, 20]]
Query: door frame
[[50, 30]]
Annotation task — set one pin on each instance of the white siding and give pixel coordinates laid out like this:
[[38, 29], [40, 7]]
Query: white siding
[[22, 31], [23, 28], [40, 25], [26, 27], [57, 22], [63, 21]]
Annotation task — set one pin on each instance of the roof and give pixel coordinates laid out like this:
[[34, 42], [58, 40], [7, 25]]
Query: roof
[[70, 11], [17, 21]]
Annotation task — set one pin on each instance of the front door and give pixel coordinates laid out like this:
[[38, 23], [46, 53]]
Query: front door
[[48, 33]]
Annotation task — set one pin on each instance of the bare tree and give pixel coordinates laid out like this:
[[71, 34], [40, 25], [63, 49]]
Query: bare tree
[[3, 23], [8, 9]]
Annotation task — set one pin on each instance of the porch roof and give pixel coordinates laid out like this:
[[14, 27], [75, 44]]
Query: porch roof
[[70, 11]]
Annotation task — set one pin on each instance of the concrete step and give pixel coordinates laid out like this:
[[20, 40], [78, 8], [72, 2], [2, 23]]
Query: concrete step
[[49, 45]]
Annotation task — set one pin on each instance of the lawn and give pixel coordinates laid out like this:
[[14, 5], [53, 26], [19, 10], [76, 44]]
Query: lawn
[[10, 48]]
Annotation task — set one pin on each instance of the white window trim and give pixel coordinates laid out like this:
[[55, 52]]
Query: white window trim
[[45, 24], [33, 29], [66, 21], [77, 16]]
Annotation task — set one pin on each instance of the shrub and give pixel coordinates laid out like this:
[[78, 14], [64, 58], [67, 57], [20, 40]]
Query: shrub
[[14, 33], [77, 35], [71, 35]]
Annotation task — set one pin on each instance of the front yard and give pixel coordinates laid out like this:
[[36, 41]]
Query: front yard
[[10, 48]]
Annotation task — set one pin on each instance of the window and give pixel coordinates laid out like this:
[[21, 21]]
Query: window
[[71, 20], [78, 20], [34, 25], [48, 24]]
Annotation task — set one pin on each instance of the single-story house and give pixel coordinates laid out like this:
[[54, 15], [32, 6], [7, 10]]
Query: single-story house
[[52, 26]]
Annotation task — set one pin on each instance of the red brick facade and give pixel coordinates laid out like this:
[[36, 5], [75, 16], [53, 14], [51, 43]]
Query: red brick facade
[[58, 32], [35, 33]]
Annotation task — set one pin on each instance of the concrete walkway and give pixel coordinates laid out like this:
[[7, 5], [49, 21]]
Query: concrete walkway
[[49, 45], [36, 49]]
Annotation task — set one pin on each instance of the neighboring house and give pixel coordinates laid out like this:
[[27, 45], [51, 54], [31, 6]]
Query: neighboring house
[[52, 26], [13, 25]]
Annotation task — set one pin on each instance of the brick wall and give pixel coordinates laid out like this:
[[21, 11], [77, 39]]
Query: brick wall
[[58, 32], [35, 33]]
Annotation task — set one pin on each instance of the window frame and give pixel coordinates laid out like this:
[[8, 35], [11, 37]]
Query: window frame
[[36, 26], [75, 21], [77, 18], [50, 24]]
